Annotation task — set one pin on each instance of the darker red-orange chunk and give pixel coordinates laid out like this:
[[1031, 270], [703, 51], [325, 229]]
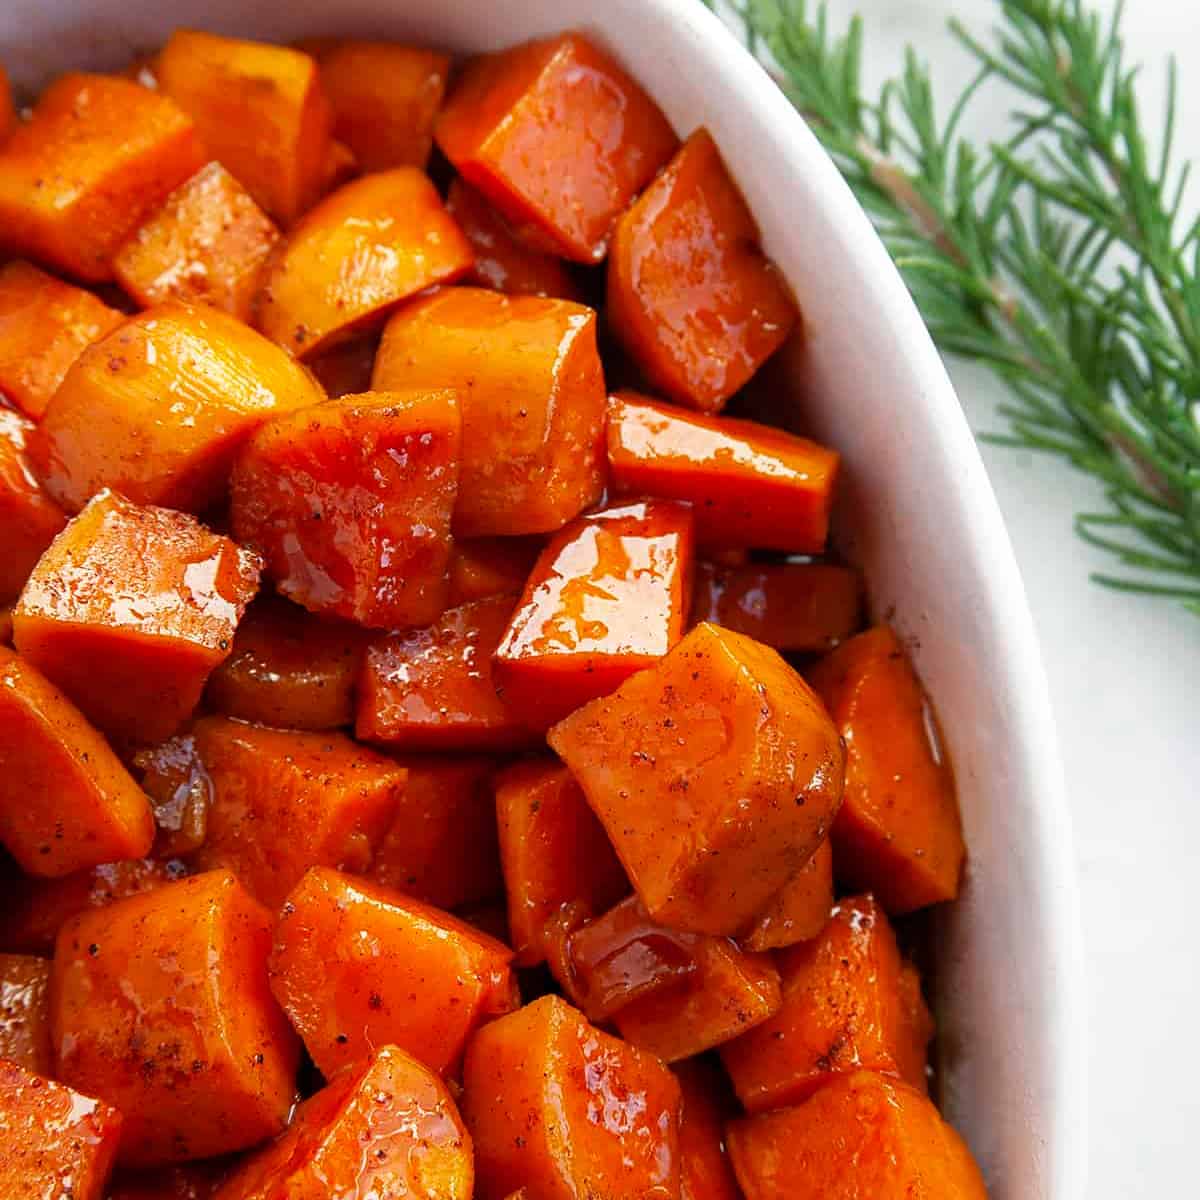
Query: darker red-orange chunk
[[29, 519]]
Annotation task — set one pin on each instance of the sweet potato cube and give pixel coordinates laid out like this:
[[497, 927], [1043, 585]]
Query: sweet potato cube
[[45, 325], [66, 802], [485, 567], [899, 834], [97, 157], [357, 965], [350, 503], [749, 484], [569, 1112], [160, 1005], [159, 408], [558, 137], [25, 1012], [260, 111], [386, 1128], [862, 1135], [372, 243], [529, 376], [799, 910], [716, 773], [53, 1138], [129, 610], [29, 519], [690, 295], [553, 851], [207, 244], [705, 1170]]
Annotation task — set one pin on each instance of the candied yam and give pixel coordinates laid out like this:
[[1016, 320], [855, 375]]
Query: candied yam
[[566, 1111], [529, 377], [899, 833], [98, 155], [350, 503], [748, 484], [799, 910], [485, 567], [558, 137], [25, 1012], [29, 519], [716, 774], [160, 1005], [128, 612], [705, 1170]]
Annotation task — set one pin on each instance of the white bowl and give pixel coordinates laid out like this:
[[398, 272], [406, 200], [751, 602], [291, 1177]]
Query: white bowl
[[917, 514]]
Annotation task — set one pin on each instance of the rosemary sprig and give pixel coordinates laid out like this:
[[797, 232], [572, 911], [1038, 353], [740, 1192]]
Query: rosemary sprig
[[1060, 257]]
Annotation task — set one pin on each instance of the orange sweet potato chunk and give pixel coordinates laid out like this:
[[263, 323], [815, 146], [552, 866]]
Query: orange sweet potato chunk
[[899, 833], [608, 597], [350, 503], [207, 244], [128, 612], [748, 484], [485, 567], [706, 1172], [25, 1012], [558, 137], [160, 1005], [159, 408], [357, 965], [716, 774], [29, 519], [45, 325], [532, 391], [799, 910], [56, 1141], [862, 1135], [566, 1111], [97, 157]]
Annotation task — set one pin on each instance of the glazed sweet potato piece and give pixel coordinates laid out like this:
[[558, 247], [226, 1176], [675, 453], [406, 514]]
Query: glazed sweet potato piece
[[25, 1012], [799, 910], [608, 597], [899, 833], [529, 376], [393, 230], [29, 519], [259, 110], [484, 567], [748, 484], [160, 1005], [553, 851], [207, 244], [45, 325], [357, 965], [54, 1138], [129, 610], [386, 1127], [350, 503], [110, 424], [705, 1170], [716, 774], [558, 137], [862, 1135], [566, 1111], [97, 157]]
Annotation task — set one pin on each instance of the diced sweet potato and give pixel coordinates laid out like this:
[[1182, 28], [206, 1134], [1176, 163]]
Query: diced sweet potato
[[799, 910], [160, 1005], [66, 802], [608, 597], [345, 368], [529, 376], [553, 851], [207, 244], [57, 1142], [282, 801], [29, 519], [899, 833], [558, 137], [289, 669], [749, 484], [97, 157], [189, 1181], [357, 965], [705, 1170], [432, 689], [485, 567], [355, 256], [862, 1135], [386, 1128], [690, 295], [45, 325], [129, 610], [560, 1108], [350, 502], [716, 773], [25, 1012], [159, 408], [259, 109]]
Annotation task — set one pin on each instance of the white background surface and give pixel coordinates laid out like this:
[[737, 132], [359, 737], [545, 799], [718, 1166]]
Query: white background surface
[[1125, 681]]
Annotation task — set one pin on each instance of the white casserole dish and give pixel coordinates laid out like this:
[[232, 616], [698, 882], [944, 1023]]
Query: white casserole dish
[[916, 512]]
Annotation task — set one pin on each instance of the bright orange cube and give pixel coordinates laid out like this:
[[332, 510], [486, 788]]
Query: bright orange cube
[[29, 519], [799, 910], [25, 1012]]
